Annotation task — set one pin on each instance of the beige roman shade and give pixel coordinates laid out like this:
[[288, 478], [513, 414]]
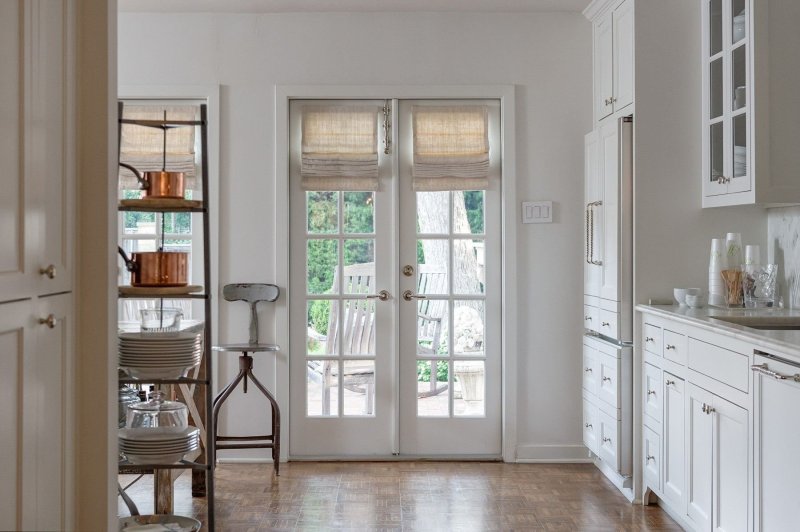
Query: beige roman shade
[[143, 147], [451, 147], [339, 148]]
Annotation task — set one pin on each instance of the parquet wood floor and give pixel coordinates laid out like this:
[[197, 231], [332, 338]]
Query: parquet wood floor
[[412, 496]]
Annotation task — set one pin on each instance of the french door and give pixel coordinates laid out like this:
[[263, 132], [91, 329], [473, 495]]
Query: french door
[[394, 305]]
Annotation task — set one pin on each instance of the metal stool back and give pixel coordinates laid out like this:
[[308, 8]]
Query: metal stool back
[[251, 293]]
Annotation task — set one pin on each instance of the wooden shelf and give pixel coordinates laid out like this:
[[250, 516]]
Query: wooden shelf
[[182, 380], [127, 467], [157, 292], [161, 124], [161, 205]]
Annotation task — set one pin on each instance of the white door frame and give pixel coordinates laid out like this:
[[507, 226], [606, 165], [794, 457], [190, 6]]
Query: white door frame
[[504, 93]]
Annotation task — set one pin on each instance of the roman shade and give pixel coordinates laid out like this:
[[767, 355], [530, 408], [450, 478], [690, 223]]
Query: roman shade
[[339, 147], [143, 147], [451, 147]]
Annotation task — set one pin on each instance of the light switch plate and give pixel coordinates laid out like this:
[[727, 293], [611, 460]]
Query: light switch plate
[[537, 212]]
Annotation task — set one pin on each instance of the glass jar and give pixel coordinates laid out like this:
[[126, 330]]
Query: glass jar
[[158, 412]]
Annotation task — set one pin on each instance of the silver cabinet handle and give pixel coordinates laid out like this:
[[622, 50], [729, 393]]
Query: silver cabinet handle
[[605, 324], [606, 440], [613, 99], [590, 233], [649, 458], [648, 339], [383, 295], [764, 370], [408, 295], [651, 392], [669, 347], [587, 370], [587, 318], [607, 379], [49, 272], [670, 383], [587, 425], [50, 321], [708, 409]]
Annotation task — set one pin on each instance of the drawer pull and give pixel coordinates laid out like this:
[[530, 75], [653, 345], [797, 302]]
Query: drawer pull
[[668, 347], [651, 392], [670, 383], [587, 370], [605, 324], [649, 458], [588, 425], [606, 379], [587, 318], [764, 370], [606, 440], [648, 339], [708, 409]]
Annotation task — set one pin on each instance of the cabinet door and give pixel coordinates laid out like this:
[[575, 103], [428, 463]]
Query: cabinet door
[[591, 369], [777, 466], [652, 459], [730, 466], [591, 425], [607, 215], [623, 55], [652, 396], [592, 237], [603, 67], [674, 442], [699, 444]]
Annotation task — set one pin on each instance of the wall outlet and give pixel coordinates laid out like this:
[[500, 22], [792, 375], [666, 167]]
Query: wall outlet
[[537, 212]]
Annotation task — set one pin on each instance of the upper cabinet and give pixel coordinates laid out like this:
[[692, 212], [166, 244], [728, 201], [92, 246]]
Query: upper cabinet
[[750, 114], [613, 55]]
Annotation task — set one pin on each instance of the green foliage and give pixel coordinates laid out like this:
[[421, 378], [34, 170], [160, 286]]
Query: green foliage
[[473, 202], [359, 213], [424, 371]]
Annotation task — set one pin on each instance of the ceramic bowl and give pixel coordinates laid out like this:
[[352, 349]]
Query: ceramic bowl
[[695, 301], [680, 296]]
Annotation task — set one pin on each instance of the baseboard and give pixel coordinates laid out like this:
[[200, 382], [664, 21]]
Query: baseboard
[[241, 460], [571, 454], [623, 484]]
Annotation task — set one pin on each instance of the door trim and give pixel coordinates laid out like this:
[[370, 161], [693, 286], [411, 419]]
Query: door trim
[[508, 338]]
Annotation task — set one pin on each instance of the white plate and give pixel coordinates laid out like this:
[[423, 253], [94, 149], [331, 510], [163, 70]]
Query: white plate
[[158, 450], [157, 433], [156, 373], [153, 360], [180, 335], [164, 365], [142, 459], [175, 523]]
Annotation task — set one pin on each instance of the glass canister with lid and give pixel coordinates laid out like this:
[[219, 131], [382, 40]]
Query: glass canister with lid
[[158, 412]]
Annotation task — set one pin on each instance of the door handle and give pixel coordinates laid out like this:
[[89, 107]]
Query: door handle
[[408, 295], [383, 295]]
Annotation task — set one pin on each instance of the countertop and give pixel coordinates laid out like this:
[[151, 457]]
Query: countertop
[[784, 342]]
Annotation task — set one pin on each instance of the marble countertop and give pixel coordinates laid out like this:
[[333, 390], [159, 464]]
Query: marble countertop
[[786, 342]]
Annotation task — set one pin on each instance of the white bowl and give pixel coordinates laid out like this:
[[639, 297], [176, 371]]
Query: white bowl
[[695, 301], [680, 296]]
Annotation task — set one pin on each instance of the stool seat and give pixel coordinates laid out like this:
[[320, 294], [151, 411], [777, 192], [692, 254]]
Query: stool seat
[[246, 348]]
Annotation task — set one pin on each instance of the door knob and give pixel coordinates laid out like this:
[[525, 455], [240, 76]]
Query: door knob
[[408, 295], [50, 321], [49, 272], [383, 295]]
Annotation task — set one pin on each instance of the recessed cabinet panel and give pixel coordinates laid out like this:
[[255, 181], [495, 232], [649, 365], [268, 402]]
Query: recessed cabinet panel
[[591, 369], [609, 440], [652, 459], [591, 425], [623, 55], [652, 339], [730, 466], [699, 445], [608, 390], [652, 396], [604, 70], [674, 441]]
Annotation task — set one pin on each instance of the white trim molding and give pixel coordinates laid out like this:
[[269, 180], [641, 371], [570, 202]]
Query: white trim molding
[[559, 454]]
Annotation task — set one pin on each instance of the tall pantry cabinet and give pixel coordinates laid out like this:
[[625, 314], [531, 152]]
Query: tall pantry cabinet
[[37, 102]]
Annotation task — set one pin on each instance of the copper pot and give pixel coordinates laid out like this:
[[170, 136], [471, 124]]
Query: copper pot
[[159, 184], [157, 268]]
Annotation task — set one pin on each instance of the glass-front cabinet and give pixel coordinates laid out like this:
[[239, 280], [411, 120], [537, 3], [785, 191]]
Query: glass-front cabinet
[[726, 94]]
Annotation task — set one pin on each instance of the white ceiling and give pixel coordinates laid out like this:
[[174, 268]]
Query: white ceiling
[[318, 6]]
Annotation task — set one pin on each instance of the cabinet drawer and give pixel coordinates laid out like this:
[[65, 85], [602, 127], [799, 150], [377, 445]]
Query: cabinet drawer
[[652, 459], [591, 425], [728, 367], [591, 318], [652, 397], [608, 443], [609, 323], [608, 379], [591, 369], [675, 347], [652, 339]]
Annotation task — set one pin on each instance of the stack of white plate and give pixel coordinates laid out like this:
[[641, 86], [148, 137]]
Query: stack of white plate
[[167, 355], [159, 445], [739, 160]]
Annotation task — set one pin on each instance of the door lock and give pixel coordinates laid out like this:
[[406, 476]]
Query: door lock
[[408, 270]]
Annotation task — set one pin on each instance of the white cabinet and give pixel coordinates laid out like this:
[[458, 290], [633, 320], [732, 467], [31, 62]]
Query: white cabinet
[[37, 440], [674, 441], [613, 58], [717, 443], [750, 111], [777, 467], [36, 221], [652, 458]]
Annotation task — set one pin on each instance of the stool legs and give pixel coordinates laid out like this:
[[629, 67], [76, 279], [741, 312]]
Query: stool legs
[[245, 372]]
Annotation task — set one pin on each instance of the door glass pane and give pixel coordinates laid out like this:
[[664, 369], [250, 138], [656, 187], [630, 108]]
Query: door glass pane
[[740, 145], [433, 398], [468, 214], [739, 22], [468, 266], [322, 259], [359, 212], [433, 261], [359, 387], [739, 75], [319, 340], [468, 328], [432, 320], [469, 377], [433, 213], [322, 210], [359, 266], [715, 90], [715, 31], [322, 388], [358, 327], [716, 151]]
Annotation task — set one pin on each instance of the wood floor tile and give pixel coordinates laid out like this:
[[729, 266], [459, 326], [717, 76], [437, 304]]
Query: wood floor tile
[[411, 496]]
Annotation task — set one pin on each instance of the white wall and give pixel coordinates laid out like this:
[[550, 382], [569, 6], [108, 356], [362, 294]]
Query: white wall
[[546, 56]]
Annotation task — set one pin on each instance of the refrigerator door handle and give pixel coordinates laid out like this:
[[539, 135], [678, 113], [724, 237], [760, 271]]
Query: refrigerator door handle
[[590, 230]]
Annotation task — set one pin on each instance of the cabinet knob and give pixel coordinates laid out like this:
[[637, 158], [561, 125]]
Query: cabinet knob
[[605, 324], [708, 409], [670, 383], [50, 321], [648, 339], [651, 392], [669, 347], [650, 458], [587, 370], [587, 425], [587, 318], [607, 379], [606, 440], [49, 272]]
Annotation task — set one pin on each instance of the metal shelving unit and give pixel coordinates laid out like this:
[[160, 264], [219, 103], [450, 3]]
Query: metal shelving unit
[[204, 379]]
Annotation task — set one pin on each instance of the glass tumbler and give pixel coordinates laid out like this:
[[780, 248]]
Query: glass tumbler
[[759, 285]]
